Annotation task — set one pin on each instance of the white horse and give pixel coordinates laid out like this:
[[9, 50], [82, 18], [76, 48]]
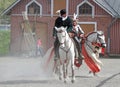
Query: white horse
[[89, 50], [66, 53], [94, 42]]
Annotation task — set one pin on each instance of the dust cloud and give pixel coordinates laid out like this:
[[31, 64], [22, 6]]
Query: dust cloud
[[23, 68]]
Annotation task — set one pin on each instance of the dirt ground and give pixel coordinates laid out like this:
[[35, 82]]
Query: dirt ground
[[29, 72]]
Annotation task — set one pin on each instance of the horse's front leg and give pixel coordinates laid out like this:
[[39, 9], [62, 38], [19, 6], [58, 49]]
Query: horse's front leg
[[67, 66], [65, 72], [72, 68]]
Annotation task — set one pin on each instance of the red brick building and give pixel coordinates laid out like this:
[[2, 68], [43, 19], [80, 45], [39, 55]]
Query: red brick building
[[93, 15]]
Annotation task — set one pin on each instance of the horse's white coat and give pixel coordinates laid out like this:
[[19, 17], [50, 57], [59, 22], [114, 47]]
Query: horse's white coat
[[90, 48], [66, 52]]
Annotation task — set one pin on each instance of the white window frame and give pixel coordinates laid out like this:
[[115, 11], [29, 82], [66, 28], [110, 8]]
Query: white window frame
[[52, 7], [37, 4], [85, 1]]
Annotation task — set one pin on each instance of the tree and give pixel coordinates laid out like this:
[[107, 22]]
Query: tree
[[4, 4]]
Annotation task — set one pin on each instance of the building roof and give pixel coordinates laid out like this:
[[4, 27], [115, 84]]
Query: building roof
[[111, 6]]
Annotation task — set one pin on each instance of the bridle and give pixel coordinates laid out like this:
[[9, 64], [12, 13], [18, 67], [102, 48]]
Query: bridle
[[65, 50], [61, 31], [95, 43], [100, 39], [97, 38]]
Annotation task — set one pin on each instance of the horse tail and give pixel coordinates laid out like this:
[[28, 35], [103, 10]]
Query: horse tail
[[49, 58]]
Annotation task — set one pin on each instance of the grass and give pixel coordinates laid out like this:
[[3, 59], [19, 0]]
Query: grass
[[4, 42]]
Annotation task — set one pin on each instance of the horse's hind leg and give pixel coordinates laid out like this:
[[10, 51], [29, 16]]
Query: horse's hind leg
[[60, 72]]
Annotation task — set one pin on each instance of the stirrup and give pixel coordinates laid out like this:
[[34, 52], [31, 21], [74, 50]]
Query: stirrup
[[56, 57], [80, 60], [82, 56]]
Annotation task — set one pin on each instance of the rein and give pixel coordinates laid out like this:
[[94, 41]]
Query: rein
[[66, 51], [64, 36]]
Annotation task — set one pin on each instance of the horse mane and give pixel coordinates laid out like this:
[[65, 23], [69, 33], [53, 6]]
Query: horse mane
[[99, 32], [89, 33]]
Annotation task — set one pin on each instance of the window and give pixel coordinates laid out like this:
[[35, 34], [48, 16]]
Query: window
[[85, 9], [59, 4], [33, 8]]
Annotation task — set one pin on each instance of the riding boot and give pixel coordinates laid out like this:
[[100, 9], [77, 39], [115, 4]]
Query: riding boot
[[56, 49], [80, 56], [80, 51]]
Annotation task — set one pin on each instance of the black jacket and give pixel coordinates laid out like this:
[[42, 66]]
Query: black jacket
[[66, 23]]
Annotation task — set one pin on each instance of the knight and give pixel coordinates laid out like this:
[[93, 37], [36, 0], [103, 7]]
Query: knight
[[62, 21], [78, 35]]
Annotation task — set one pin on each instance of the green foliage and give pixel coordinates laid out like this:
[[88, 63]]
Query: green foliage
[[4, 42], [5, 4], [4, 35]]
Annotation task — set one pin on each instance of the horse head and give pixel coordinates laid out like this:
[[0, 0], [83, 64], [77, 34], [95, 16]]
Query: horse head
[[101, 38], [97, 38], [61, 34]]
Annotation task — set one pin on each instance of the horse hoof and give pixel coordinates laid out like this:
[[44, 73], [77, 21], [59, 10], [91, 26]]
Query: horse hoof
[[65, 81], [60, 78], [72, 81], [96, 75]]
